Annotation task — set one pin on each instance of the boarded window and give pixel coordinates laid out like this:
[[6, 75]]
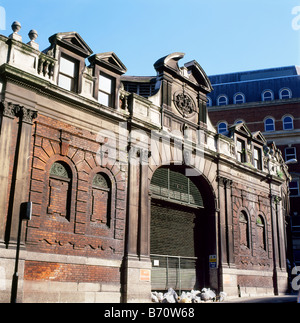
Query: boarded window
[[244, 230], [261, 233], [59, 191], [101, 191]]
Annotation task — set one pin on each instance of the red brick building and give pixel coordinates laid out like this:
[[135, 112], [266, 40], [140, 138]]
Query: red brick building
[[130, 192], [267, 101]]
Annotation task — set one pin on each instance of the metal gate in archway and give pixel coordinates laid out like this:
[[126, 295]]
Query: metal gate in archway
[[175, 242]]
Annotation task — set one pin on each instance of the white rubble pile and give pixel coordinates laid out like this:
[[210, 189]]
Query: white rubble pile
[[194, 296]]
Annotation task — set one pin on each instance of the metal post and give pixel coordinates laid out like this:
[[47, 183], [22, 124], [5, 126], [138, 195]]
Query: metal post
[[167, 272], [25, 214], [179, 273], [14, 287]]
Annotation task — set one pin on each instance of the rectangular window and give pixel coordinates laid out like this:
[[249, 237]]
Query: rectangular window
[[290, 153], [241, 151], [67, 74], [105, 90], [294, 187], [257, 158]]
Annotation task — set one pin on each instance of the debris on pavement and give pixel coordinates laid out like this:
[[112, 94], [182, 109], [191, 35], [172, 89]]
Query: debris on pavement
[[194, 296]]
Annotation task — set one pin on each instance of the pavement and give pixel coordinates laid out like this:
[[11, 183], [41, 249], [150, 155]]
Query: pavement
[[266, 299]]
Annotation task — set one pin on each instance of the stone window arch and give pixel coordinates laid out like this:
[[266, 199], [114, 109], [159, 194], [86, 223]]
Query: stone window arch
[[101, 200], [60, 186]]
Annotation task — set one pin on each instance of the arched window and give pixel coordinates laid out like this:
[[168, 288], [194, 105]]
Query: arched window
[[101, 200], [244, 230], [239, 121], [267, 95], [269, 124], [285, 94], [288, 123], [209, 101], [239, 98], [222, 127], [222, 100], [261, 233], [60, 190]]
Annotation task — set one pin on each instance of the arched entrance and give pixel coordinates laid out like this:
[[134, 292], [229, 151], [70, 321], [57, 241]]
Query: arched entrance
[[182, 230]]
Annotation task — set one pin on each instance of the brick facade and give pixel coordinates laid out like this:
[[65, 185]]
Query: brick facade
[[87, 167], [80, 232]]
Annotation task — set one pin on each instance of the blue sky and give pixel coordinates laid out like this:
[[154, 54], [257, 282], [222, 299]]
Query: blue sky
[[222, 35]]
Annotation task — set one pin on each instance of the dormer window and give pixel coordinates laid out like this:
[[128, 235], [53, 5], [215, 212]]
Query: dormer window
[[222, 100], [70, 50], [68, 71], [107, 70], [106, 86], [285, 93], [267, 95], [239, 98]]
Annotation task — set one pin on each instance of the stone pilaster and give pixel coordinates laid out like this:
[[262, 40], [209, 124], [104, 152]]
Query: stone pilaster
[[8, 113], [20, 176]]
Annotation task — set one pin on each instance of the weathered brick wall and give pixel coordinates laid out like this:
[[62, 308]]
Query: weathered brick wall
[[252, 204], [59, 272], [83, 232]]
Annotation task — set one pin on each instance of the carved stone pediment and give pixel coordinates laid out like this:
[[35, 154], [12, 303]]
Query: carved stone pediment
[[72, 41]]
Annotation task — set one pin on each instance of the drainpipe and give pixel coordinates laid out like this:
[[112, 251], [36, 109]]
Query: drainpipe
[[274, 231]]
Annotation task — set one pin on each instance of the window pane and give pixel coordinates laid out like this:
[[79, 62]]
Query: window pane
[[288, 123], [241, 154], [285, 94], [222, 100], [103, 98], [267, 96], [105, 84], [239, 99], [67, 67], [65, 82], [257, 158], [269, 125], [256, 153], [222, 127], [294, 188], [290, 153], [239, 145]]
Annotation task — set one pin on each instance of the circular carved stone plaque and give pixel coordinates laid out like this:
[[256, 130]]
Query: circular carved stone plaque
[[184, 104]]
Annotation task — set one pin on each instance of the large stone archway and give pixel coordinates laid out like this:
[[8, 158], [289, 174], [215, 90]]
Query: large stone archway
[[182, 230]]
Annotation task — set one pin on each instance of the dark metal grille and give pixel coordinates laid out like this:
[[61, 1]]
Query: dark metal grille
[[178, 273], [174, 186], [172, 231], [173, 247]]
